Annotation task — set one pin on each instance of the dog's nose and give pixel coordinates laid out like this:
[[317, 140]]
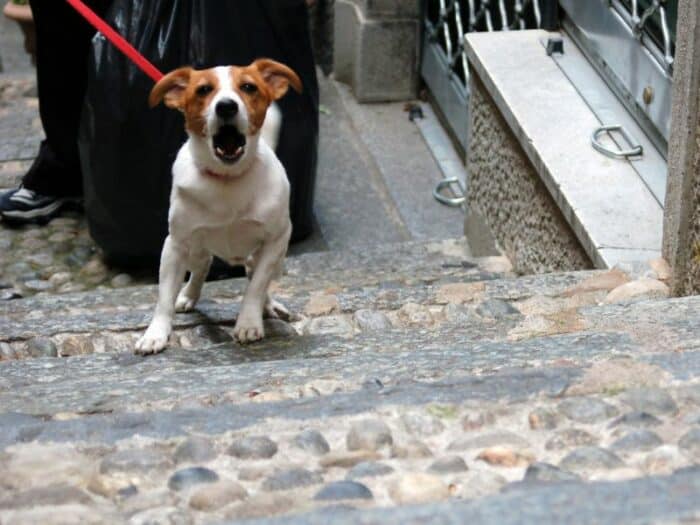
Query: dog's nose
[[226, 108]]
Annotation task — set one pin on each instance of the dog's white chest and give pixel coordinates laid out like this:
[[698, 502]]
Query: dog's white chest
[[232, 243]]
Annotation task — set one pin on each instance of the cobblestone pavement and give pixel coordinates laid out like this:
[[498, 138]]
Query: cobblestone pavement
[[415, 385]]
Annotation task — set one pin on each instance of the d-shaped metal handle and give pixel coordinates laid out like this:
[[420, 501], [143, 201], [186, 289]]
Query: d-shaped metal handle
[[635, 149], [449, 201]]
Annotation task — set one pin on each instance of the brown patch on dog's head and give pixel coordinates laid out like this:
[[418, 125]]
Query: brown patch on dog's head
[[191, 91]]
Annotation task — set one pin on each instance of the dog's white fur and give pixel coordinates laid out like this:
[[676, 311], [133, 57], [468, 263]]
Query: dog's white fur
[[241, 216]]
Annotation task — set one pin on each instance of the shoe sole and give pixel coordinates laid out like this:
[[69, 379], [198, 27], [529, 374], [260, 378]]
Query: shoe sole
[[38, 215]]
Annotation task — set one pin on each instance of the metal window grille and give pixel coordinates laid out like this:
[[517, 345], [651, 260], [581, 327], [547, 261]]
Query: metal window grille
[[444, 64]]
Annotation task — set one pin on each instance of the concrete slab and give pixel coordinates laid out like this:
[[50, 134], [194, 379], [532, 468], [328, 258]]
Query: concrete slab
[[407, 166], [604, 200]]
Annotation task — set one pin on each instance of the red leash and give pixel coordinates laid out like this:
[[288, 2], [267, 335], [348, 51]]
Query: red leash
[[116, 39]]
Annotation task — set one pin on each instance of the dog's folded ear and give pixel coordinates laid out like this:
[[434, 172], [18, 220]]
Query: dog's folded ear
[[278, 77], [171, 89]]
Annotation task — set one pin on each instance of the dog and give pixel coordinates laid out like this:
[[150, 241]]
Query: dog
[[230, 192]]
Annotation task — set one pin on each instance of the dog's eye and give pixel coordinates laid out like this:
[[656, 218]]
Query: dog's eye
[[249, 88], [204, 90]]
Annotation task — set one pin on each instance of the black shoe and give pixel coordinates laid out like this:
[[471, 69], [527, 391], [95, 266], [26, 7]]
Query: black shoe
[[23, 205]]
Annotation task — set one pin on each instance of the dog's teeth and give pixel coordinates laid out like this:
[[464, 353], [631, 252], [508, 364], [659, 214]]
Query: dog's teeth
[[239, 150], [219, 150]]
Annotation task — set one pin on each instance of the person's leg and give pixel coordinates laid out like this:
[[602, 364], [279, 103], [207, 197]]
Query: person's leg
[[63, 43]]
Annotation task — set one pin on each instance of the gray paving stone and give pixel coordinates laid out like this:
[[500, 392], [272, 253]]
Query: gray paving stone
[[652, 400], [369, 434], [194, 450], [253, 447], [587, 409], [590, 458], [448, 465], [545, 472], [191, 476], [342, 490], [637, 440], [312, 441], [369, 469], [291, 479]]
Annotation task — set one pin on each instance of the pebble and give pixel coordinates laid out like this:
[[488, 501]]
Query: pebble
[[342, 490], [491, 439], [121, 280], [134, 461], [636, 419], [347, 459], [371, 320], [75, 345], [160, 516], [263, 505], [212, 333], [448, 465], [690, 443], [369, 469], [654, 401], [475, 421], [194, 450], [217, 495], [253, 447], [587, 409], [369, 434], [496, 309], [312, 441], [37, 285], [476, 484], [663, 460], [411, 449], [190, 476], [505, 457], [638, 290], [41, 347], [7, 352], [420, 424], [542, 418], [418, 487], [9, 295], [548, 473], [459, 293], [291, 479], [637, 441], [570, 437], [412, 314], [252, 473], [52, 494], [330, 325], [322, 304], [60, 278], [590, 458], [40, 259]]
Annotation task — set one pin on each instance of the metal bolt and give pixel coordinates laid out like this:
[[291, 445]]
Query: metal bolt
[[648, 95]]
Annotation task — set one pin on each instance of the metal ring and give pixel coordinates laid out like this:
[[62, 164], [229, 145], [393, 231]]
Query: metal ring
[[449, 201], [636, 149]]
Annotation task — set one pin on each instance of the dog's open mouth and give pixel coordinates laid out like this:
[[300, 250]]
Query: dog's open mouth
[[229, 144]]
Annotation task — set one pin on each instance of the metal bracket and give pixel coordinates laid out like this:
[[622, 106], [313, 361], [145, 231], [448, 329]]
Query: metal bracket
[[449, 201], [635, 150]]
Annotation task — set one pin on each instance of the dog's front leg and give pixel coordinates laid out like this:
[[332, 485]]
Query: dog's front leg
[[249, 325], [172, 272]]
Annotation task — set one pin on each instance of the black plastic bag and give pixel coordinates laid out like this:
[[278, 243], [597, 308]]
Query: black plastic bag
[[127, 149]]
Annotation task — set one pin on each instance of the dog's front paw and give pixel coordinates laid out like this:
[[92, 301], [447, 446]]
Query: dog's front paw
[[153, 341], [248, 330], [185, 303]]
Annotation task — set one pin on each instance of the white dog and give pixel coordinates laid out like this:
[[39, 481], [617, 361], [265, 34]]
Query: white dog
[[230, 194]]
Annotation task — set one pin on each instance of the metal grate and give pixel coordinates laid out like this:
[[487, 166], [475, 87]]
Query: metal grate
[[655, 20], [448, 21]]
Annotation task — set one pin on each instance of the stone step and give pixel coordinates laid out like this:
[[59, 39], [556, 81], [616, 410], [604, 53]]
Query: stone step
[[107, 321], [439, 429]]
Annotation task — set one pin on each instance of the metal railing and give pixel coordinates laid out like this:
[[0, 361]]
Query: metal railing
[[448, 21]]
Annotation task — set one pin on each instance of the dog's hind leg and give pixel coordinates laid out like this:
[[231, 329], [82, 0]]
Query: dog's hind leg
[[199, 264]]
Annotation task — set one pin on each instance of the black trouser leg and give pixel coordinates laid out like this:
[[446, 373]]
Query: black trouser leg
[[63, 44]]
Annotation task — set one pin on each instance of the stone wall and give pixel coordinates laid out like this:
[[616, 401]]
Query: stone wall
[[376, 48], [508, 195], [682, 207]]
